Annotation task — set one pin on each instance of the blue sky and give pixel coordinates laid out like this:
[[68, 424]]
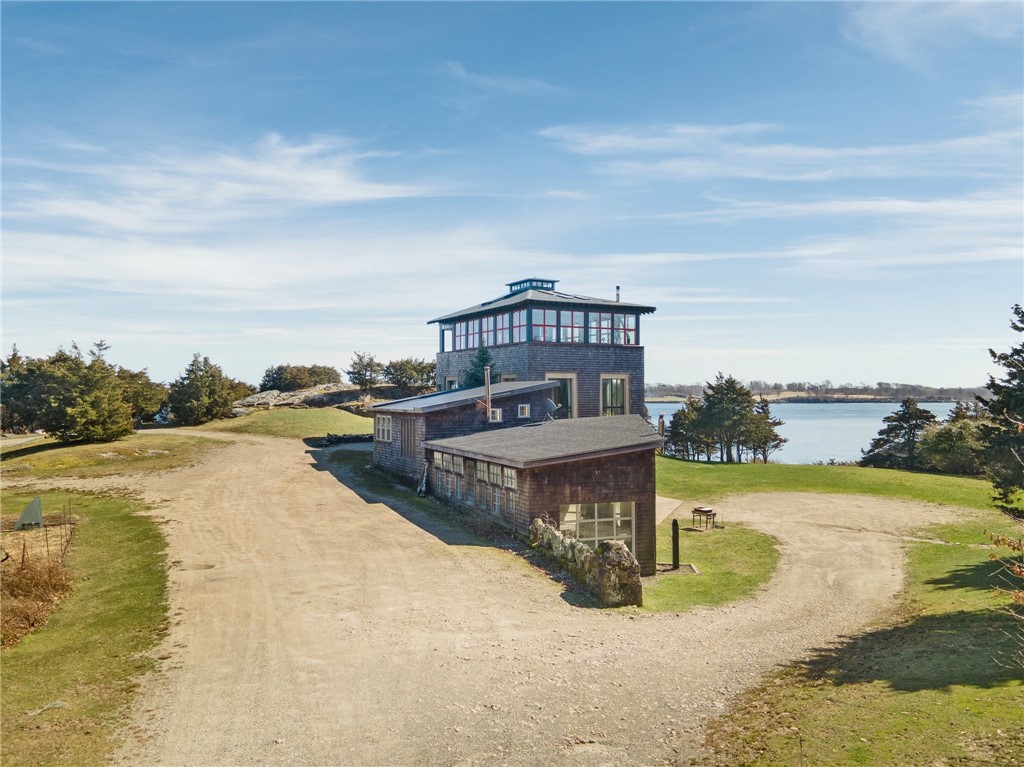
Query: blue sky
[[806, 191]]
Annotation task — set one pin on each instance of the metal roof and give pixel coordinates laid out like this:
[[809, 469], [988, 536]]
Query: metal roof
[[536, 296], [549, 442], [453, 398]]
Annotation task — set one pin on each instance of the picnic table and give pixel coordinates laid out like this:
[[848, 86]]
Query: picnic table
[[705, 515]]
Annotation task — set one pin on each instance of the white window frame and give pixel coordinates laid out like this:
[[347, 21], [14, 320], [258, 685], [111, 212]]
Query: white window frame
[[625, 390], [382, 428], [451, 382], [575, 389], [495, 415], [523, 411], [573, 527]]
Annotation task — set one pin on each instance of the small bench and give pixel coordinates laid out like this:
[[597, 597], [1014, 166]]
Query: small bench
[[706, 516]]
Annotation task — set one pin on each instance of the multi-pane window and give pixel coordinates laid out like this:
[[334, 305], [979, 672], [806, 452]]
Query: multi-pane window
[[495, 477], [481, 471], [446, 461], [437, 460], [487, 331], [624, 329], [571, 327], [545, 325], [457, 464], [508, 477], [496, 499], [519, 326], [382, 428], [592, 523], [467, 334], [502, 330], [609, 328], [613, 395]]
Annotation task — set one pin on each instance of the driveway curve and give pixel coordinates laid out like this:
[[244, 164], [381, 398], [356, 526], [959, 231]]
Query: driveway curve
[[312, 627]]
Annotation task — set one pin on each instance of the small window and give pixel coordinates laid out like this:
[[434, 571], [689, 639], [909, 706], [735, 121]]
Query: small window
[[382, 428], [496, 415], [457, 464], [508, 477], [437, 460], [446, 461], [523, 411], [481, 471], [495, 474], [451, 382]]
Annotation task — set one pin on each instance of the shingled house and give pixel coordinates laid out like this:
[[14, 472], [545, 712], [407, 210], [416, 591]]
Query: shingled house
[[524, 446], [594, 477], [401, 426], [589, 346]]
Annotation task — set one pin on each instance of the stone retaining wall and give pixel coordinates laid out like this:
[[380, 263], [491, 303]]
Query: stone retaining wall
[[611, 573]]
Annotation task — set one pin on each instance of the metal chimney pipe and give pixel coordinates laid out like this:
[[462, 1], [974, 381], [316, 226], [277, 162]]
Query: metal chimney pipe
[[617, 287], [487, 389]]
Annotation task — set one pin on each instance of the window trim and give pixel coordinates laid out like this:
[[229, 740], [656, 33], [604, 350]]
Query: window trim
[[382, 428], [523, 411], [575, 389], [625, 391]]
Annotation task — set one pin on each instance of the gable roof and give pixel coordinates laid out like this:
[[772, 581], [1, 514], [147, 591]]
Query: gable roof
[[443, 400], [537, 296], [548, 442]]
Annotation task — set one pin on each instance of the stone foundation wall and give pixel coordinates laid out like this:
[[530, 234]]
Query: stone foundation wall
[[611, 573]]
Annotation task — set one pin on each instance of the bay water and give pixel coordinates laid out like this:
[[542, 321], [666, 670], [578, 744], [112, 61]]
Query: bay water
[[822, 431]]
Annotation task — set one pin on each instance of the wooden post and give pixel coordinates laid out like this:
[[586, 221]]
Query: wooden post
[[675, 544]]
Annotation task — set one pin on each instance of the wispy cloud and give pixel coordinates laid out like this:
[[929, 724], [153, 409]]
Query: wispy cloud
[[178, 191], [712, 151], [915, 33], [502, 84]]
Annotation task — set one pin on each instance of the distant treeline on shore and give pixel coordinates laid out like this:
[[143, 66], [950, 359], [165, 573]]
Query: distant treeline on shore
[[804, 391]]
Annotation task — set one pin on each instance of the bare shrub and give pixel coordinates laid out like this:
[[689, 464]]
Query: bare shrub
[[29, 590]]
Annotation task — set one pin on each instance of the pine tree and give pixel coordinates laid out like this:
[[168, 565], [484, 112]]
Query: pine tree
[[895, 447], [475, 372], [201, 394], [1003, 435]]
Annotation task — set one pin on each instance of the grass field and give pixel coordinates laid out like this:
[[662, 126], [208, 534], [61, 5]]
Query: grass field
[[931, 686], [733, 563], [149, 452], [707, 482], [300, 423], [90, 653]]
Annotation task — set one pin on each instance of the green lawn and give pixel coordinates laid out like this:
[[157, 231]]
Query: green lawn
[[92, 649], [733, 564], [299, 423], [710, 482], [139, 452]]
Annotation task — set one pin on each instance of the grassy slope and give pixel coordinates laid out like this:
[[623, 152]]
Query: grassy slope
[[711, 482], [90, 652], [151, 452], [302, 423], [929, 687]]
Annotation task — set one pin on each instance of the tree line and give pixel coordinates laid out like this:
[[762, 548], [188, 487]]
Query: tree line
[[76, 397], [826, 390], [726, 422]]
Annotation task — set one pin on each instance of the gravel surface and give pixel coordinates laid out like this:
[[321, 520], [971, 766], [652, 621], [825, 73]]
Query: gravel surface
[[312, 627]]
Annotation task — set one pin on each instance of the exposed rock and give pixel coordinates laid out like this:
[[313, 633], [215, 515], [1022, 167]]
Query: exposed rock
[[238, 411], [269, 397], [611, 573], [614, 575]]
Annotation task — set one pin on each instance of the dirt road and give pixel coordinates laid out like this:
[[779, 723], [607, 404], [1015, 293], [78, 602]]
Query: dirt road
[[311, 627]]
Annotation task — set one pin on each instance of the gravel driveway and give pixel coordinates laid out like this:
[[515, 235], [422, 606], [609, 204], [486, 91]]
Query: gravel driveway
[[310, 627]]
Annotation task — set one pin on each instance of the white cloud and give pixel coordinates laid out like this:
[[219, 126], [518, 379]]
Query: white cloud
[[177, 191], [916, 33], [707, 152]]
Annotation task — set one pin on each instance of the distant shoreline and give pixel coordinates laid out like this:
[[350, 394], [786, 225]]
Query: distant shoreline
[[797, 398]]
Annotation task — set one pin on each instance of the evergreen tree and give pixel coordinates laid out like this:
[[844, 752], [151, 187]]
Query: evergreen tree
[[295, 377], [364, 371], [895, 447], [201, 394], [410, 374], [475, 372], [1003, 434], [762, 437], [144, 396], [729, 407]]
